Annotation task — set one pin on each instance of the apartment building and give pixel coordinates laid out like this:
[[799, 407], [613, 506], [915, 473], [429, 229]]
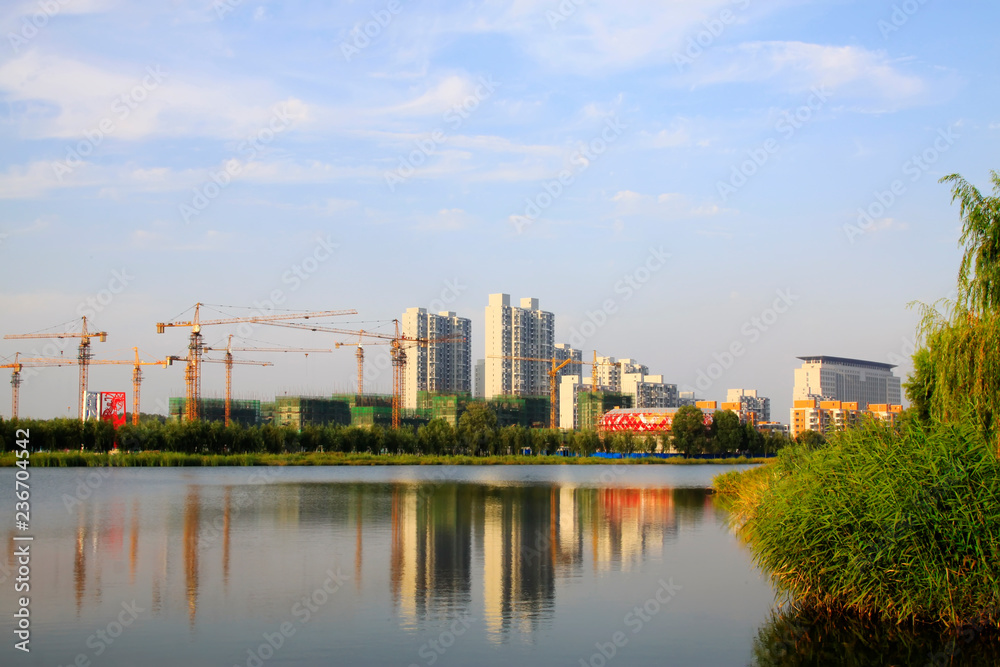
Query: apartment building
[[438, 367], [518, 331]]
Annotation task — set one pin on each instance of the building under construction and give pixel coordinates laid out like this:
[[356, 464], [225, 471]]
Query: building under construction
[[243, 412], [591, 405], [448, 407], [526, 411], [301, 411]]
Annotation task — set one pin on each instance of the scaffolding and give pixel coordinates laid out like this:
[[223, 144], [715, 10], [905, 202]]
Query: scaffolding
[[526, 411], [244, 412], [591, 406], [301, 411], [449, 407]]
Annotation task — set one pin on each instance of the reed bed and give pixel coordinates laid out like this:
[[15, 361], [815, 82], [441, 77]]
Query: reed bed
[[899, 525]]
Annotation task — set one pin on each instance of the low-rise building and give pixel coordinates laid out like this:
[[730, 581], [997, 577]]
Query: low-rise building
[[828, 417]]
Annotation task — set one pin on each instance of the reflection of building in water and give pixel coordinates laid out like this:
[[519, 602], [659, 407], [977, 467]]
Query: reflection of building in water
[[192, 520], [133, 551], [431, 552], [520, 545], [634, 524], [80, 559]]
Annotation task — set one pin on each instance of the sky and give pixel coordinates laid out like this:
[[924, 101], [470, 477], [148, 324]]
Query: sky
[[710, 187]]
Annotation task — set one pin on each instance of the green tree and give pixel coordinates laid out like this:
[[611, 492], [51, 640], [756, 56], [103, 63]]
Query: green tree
[[689, 431], [957, 367], [477, 428], [811, 439], [436, 437], [727, 432], [979, 273]]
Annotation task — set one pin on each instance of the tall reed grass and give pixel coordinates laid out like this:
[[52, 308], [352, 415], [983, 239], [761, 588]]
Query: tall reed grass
[[900, 525]]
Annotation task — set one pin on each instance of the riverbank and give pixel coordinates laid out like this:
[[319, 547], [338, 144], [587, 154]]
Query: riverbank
[[173, 459], [899, 526]]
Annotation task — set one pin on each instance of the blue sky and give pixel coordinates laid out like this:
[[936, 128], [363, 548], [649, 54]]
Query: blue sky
[[383, 155]]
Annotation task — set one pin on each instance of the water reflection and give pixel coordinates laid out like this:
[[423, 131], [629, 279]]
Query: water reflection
[[795, 637], [531, 562]]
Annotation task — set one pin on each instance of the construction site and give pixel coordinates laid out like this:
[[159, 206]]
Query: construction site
[[358, 409]]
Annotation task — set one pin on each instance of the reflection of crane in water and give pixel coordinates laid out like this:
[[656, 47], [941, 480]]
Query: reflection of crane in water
[[192, 517]]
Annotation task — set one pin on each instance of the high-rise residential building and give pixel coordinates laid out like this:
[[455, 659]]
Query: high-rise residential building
[[513, 331], [628, 376], [442, 367], [647, 391], [848, 380], [480, 391], [746, 402]]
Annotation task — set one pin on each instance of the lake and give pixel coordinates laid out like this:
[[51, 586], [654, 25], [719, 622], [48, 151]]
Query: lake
[[411, 566]]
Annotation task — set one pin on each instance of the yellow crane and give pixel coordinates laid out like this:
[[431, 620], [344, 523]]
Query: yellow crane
[[229, 366], [229, 361], [15, 375], [137, 365], [192, 372], [398, 342], [83, 357], [557, 365]]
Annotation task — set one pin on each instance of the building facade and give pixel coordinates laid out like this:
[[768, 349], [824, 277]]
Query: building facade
[[513, 331], [827, 417], [847, 380], [438, 367], [480, 391], [748, 405]]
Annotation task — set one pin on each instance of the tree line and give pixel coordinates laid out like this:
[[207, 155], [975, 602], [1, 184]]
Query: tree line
[[477, 433]]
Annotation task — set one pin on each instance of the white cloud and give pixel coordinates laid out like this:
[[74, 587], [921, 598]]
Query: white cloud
[[68, 98], [445, 220], [666, 206], [864, 79]]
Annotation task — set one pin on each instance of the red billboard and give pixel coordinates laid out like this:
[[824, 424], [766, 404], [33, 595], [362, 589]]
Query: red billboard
[[113, 407]]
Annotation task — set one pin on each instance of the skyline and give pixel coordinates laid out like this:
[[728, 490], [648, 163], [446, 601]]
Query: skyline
[[667, 176]]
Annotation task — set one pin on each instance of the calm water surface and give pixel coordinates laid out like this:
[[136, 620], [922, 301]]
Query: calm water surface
[[555, 565]]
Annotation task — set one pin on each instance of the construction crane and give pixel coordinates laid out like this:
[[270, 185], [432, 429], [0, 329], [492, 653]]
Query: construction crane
[[15, 375], [229, 373], [398, 342], [359, 354], [192, 372], [593, 377], [137, 365], [229, 349], [83, 357], [557, 365]]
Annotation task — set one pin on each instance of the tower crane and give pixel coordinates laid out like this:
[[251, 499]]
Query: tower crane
[[557, 366], [192, 372], [229, 372], [398, 342], [137, 365], [83, 357], [229, 361], [15, 375]]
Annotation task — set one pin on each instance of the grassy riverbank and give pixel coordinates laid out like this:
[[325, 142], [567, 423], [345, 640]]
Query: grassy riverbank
[[899, 526], [174, 459]]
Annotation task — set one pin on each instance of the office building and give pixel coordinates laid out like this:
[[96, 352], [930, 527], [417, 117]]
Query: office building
[[847, 380]]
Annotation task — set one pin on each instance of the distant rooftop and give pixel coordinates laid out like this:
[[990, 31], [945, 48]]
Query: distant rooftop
[[843, 361]]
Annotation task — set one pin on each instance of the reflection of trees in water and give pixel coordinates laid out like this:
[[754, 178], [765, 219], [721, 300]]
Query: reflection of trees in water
[[796, 637]]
